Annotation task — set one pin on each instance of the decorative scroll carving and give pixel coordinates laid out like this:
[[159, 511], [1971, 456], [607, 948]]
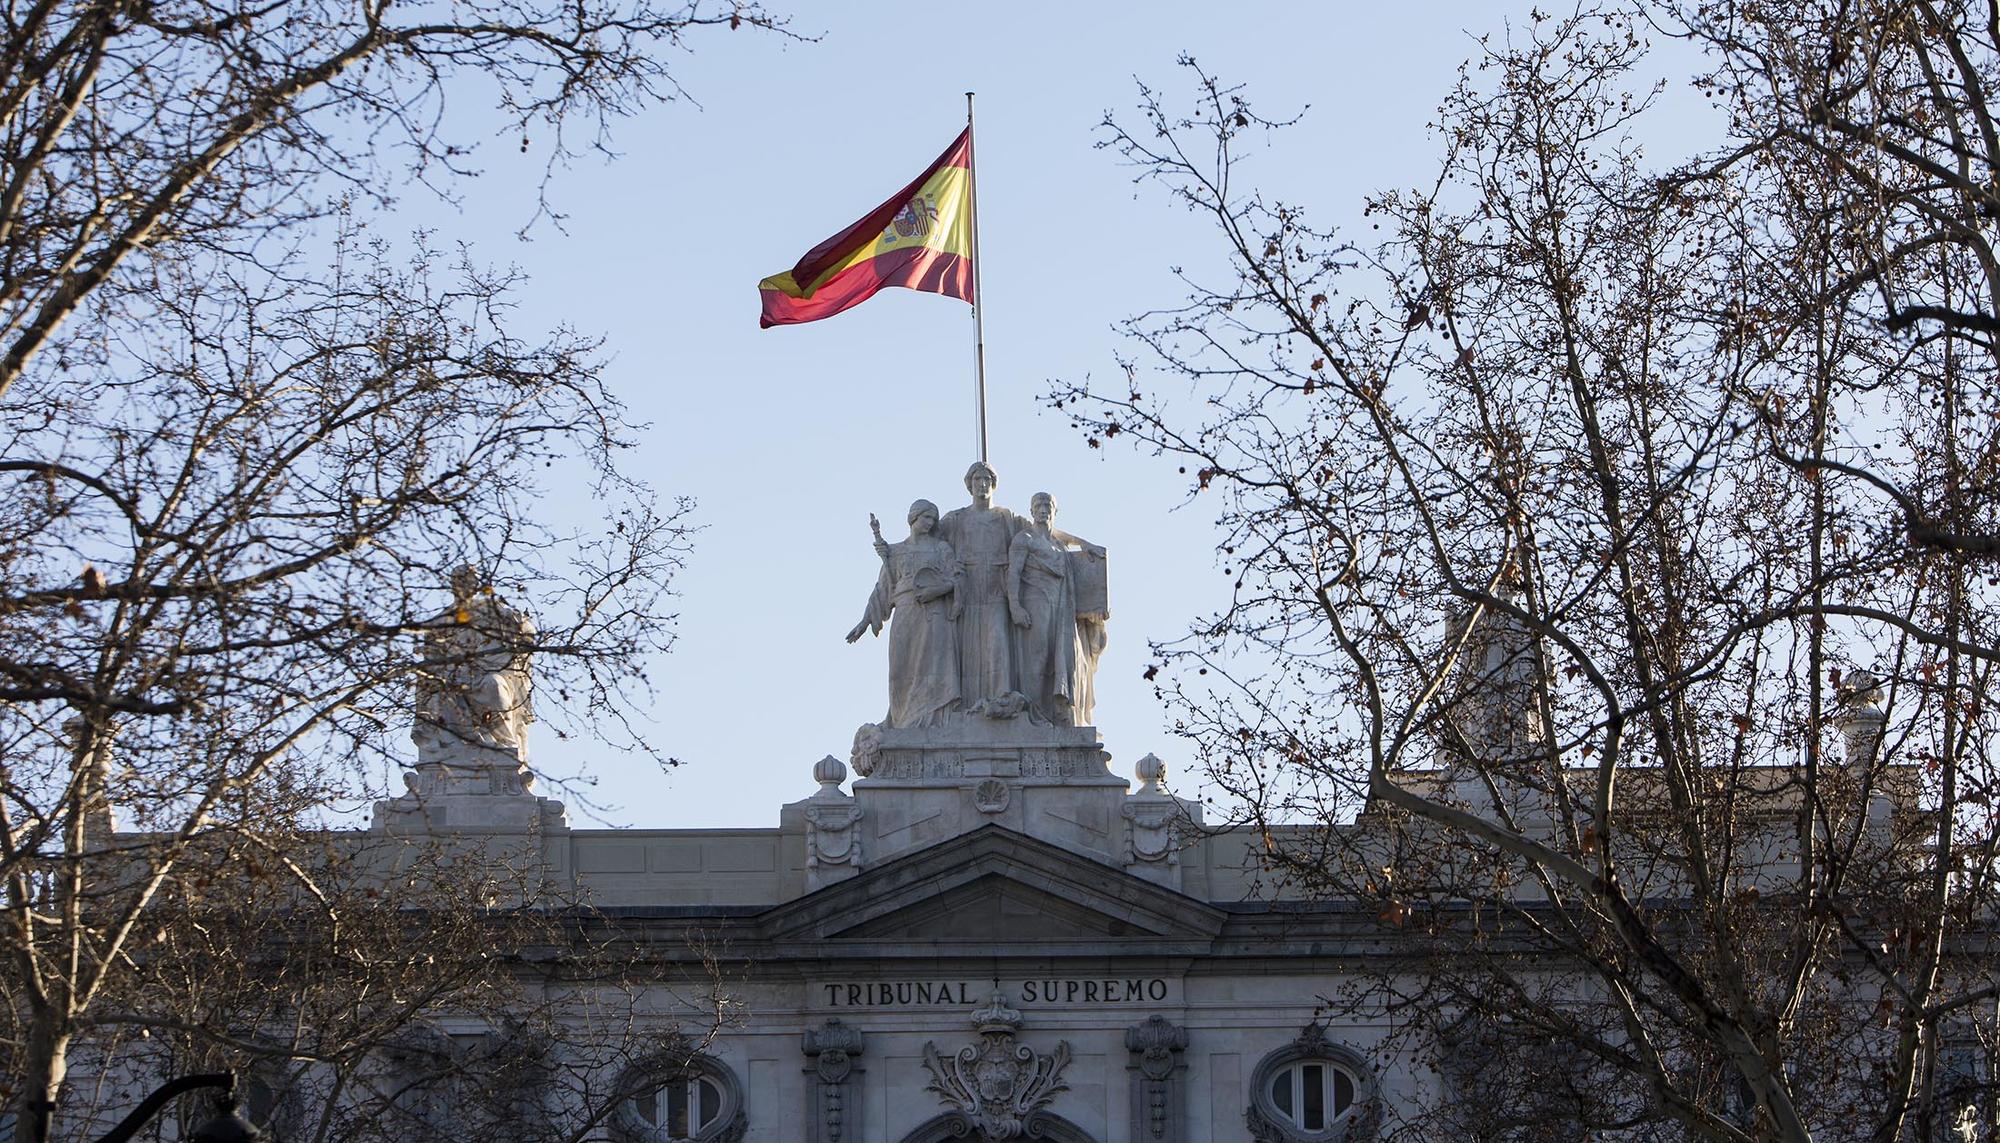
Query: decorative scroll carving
[[835, 1113], [997, 1084], [833, 844], [867, 749], [737, 1127], [1154, 820], [1159, 1101]]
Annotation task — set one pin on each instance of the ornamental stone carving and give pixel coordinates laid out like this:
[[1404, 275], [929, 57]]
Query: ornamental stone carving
[[867, 749], [998, 1085], [1154, 821], [833, 839], [991, 796], [834, 1080], [1158, 1067]]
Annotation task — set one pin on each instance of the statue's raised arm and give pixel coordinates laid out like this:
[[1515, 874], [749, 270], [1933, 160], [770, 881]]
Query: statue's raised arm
[[917, 595]]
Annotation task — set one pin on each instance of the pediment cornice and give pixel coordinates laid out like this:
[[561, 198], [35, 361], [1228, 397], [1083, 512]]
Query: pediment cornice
[[1094, 900]]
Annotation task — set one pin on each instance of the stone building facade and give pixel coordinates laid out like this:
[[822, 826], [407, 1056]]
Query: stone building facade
[[992, 937], [975, 927], [983, 931]]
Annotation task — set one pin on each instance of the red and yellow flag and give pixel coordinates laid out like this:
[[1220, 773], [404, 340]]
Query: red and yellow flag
[[920, 239]]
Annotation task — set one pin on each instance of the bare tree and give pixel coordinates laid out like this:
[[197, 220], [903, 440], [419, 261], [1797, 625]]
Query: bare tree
[[1606, 544], [243, 455], [469, 1000], [135, 135], [218, 560]]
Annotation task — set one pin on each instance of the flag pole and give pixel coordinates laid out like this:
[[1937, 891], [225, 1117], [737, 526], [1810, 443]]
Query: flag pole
[[978, 295]]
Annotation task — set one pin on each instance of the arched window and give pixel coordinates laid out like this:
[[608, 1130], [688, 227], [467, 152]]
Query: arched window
[[696, 1099], [683, 1109], [1312, 1091], [1311, 1094]]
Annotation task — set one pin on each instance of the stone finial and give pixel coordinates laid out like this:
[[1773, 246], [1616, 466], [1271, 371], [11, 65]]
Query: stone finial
[[829, 772], [1861, 690], [1150, 771], [833, 844]]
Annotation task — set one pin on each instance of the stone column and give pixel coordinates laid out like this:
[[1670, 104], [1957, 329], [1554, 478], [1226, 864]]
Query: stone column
[[833, 1083], [1159, 1081]]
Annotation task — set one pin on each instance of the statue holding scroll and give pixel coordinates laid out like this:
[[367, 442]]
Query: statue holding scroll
[[918, 597], [1041, 597]]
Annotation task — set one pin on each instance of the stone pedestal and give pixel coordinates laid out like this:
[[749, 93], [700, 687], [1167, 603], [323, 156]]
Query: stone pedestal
[[465, 787], [922, 786]]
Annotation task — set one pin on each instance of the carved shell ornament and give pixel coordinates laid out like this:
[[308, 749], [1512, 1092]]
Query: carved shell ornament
[[997, 1084]]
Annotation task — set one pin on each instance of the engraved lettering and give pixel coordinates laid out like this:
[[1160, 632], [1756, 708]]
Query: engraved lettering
[[1041, 990]]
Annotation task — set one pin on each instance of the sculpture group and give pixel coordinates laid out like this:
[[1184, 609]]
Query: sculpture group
[[990, 614]]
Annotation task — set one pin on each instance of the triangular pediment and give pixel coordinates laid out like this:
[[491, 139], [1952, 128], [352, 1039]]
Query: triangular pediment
[[995, 908], [994, 887]]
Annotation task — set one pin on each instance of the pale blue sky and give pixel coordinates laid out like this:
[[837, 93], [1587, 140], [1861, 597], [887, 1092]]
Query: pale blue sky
[[789, 438]]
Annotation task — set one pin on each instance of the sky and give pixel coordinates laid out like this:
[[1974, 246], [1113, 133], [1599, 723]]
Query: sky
[[787, 439]]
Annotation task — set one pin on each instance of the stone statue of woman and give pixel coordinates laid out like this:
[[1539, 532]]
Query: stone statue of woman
[[1041, 597], [917, 596], [475, 687]]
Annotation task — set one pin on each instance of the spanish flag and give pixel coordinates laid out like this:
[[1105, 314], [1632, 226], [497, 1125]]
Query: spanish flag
[[921, 239]]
